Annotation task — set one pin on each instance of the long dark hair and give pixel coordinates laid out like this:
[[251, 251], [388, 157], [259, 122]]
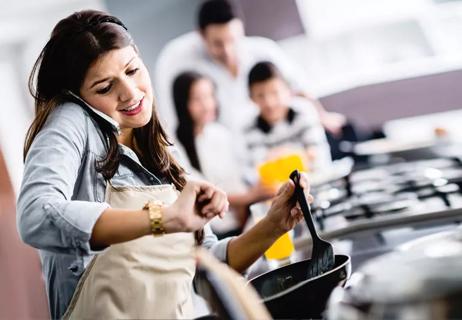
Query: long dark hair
[[185, 130], [75, 43]]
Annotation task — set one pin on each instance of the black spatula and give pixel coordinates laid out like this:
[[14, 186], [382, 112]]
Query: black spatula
[[322, 256]]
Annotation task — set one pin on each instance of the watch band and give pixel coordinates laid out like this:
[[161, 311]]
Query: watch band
[[154, 208]]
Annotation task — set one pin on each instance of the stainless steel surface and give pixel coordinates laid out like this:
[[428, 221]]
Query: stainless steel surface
[[359, 212], [420, 279], [378, 224]]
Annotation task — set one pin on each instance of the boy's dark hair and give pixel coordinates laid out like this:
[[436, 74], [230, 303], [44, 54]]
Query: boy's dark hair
[[263, 71], [215, 12]]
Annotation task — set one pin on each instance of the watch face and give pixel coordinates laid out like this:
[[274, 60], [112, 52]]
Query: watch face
[[154, 208]]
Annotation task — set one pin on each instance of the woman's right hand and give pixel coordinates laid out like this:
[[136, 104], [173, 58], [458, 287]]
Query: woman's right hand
[[197, 204]]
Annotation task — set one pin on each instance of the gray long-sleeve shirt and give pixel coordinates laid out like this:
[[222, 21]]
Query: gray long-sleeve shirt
[[62, 197]]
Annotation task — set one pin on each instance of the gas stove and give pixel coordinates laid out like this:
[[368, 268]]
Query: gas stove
[[392, 189], [370, 211]]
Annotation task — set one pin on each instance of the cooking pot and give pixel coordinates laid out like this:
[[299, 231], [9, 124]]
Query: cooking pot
[[287, 293], [421, 279]]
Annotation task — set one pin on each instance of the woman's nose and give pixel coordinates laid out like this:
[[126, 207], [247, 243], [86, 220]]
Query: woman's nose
[[127, 91]]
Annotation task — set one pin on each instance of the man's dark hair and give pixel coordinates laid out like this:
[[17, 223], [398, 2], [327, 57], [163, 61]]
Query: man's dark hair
[[215, 12], [263, 71]]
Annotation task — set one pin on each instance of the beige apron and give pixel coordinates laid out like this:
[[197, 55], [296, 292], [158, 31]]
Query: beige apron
[[150, 277]]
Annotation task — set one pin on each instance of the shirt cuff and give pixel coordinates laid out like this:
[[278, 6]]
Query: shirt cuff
[[77, 219]]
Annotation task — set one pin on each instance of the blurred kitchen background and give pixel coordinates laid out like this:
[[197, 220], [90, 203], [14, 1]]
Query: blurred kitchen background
[[374, 61]]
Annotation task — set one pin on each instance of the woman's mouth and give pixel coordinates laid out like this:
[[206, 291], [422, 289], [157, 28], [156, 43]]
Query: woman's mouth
[[134, 109]]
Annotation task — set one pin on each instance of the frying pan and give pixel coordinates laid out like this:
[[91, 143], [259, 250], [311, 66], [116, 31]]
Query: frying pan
[[301, 289], [288, 293]]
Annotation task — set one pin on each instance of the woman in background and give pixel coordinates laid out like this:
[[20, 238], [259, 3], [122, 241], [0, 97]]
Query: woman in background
[[213, 151]]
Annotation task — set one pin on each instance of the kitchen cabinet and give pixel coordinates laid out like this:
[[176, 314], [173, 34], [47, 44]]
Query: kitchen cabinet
[[358, 42]]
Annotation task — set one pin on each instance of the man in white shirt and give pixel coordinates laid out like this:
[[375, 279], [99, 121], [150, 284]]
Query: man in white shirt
[[220, 50]]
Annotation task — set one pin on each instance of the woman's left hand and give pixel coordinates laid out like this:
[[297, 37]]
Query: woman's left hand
[[285, 212], [283, 215]]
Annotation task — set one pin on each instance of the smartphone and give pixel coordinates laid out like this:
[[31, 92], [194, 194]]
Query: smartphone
[[113, 123]]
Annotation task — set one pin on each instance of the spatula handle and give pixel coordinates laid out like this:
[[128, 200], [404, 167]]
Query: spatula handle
[[306, 210]]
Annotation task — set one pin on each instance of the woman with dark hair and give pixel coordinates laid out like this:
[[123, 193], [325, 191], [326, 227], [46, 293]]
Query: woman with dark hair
[[213, 150], [100, 181]]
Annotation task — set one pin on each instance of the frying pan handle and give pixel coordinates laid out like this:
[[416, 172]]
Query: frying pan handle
[[300, 197]]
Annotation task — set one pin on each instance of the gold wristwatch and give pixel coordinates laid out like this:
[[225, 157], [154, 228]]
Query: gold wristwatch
[[154, 208]]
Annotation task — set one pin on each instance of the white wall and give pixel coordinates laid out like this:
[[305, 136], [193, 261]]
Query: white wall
[[152, 23]]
